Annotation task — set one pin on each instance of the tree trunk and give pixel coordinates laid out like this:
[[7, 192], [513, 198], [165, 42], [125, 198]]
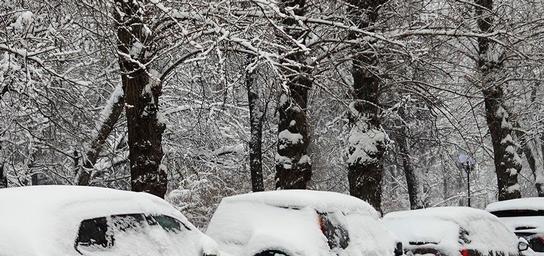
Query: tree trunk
[[117, 102], [256, 117], [412, 178], [533, 153], [142, 90], [367, 139], [293, 166], [506, 158], [532, 148], [3, 177]]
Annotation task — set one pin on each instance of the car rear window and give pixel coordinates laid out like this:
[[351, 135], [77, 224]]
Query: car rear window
[[518, 213]]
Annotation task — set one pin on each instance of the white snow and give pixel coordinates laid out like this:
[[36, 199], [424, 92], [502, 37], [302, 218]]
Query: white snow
[[106, 111], [305, 159], [529, 203], [364, 144], [44, 220], [322, 201], [24, 19], [136, 49], [288, 220], [289, 138], [515, 187], [442, 226]]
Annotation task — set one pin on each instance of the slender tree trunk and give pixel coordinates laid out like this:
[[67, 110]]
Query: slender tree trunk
[[506, 158], [412, 177], [142, 90], [367, 139], [256, 117], [3, 177], [293, 166], [117, 101], [532, 148], [533, 153]]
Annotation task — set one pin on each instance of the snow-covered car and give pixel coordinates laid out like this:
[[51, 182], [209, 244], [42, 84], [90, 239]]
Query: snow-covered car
[[526, 217], [453, 231], [299, 223], [91, 221]]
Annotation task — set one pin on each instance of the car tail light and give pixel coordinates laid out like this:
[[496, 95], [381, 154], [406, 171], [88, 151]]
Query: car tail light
[[465, 252]]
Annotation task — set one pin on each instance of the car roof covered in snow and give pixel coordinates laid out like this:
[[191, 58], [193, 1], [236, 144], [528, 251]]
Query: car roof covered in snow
[[452, 228], [529, 203], [31, 217], [456, 214], [323, 201]]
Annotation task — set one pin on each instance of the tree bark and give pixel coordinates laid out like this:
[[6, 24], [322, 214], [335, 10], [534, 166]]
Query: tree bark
[[532, 148], [293, 165], [506, 159], [367, 140], [256, 117], [3, 177], [83, 177], [412, 178], [142, 90]]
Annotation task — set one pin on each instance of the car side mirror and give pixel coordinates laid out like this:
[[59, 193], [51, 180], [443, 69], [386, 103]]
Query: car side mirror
[[398, 249], [523, 245]]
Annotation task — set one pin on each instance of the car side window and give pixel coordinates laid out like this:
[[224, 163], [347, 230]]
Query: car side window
[[170, 224], [127, 222], [100, 233], [94, 233]]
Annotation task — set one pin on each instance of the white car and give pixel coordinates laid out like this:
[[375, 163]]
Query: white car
[[453, 231], [299, 223], [526, 217], [91, 221]]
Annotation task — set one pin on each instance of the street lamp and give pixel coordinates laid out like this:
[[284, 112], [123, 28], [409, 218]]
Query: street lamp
[[467, 164]]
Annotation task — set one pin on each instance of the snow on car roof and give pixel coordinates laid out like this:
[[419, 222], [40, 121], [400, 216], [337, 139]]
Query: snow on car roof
[[31, 217], [323, 201], [529, 203], [458, 215], [444, 226], [48, 200]]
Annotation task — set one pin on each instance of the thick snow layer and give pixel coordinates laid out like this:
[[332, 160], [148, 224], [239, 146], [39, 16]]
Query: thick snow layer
[[44, 220], [451, 229], [288, 221], [529, 203], [322, 201]]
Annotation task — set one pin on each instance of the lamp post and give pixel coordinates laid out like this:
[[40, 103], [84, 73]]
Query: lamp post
[[467, 164]]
